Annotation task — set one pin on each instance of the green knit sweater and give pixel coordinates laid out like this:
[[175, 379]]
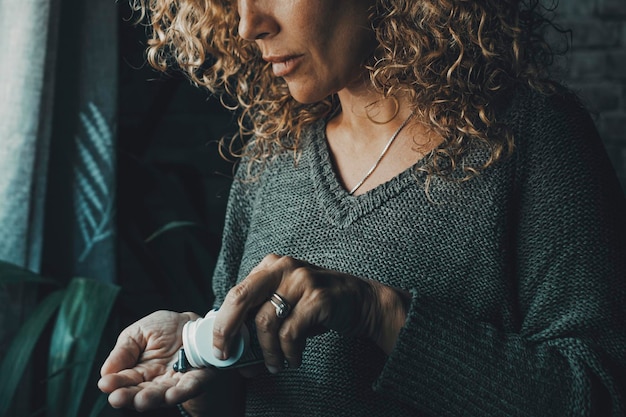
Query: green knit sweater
[[517, 276]]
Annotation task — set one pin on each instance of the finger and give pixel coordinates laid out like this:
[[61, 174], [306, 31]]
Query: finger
[[267, 325], [169, 389], [190, 385], [111, 382], [300, 324], [244, 297], [125, 353], [151, 395], [123, 397], [266, 262]]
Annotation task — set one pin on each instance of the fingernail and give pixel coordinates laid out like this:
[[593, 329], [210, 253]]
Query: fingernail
[[218, 353], [272, 369]]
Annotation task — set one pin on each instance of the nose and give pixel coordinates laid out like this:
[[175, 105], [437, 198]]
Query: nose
[[255, 19]]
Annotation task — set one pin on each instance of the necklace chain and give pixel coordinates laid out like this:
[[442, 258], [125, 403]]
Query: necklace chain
[[382, 155]]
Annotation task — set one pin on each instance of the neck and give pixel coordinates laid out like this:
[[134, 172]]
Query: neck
[[368, 117], [368, 151]]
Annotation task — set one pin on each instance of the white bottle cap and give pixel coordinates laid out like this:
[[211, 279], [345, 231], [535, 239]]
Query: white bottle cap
[[198, 343]]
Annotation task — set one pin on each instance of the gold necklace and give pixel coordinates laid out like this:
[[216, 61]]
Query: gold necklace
[[381, 156]]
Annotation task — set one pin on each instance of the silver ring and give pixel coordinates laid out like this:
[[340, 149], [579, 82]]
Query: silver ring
[[282, 307]]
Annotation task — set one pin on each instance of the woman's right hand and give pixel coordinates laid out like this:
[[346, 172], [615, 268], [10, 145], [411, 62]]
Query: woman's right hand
[[139, 371]]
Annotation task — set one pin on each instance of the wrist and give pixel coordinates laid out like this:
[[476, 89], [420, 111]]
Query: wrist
[[191, 408], [195, 407], [222, 395]]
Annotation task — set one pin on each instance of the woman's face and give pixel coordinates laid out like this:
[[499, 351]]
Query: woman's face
[[317, 46]]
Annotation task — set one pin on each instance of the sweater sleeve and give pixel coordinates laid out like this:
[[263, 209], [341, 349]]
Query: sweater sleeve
[[567, 355]]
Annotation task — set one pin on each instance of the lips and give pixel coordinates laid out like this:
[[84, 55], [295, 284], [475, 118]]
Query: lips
[[283, 65]]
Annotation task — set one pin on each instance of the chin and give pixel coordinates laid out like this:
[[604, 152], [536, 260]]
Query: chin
[[308, 95]]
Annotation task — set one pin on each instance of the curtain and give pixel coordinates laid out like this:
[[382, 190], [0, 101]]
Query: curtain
[[58, 96], [28, 44]]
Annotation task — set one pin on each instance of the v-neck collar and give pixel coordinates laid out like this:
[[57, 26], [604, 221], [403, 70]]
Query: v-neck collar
[[342, 208]]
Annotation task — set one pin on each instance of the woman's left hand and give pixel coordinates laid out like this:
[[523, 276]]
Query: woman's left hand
[[320, 300]]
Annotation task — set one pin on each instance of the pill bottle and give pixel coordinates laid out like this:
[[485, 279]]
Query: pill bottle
[[198, 344]]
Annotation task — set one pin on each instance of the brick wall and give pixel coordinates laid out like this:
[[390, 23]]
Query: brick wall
[[595, 67]]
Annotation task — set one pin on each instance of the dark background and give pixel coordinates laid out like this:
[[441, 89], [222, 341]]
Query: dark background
[[595, 67], [169, 170]]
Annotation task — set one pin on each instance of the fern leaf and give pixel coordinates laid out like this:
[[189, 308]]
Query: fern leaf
[[94, 177]]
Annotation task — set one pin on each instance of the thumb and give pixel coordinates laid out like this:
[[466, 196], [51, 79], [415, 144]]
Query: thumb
[[125, 353]]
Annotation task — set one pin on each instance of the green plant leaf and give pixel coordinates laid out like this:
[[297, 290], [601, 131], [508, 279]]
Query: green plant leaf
[[19, 353], [75, 341], [171, 226], [98, 406], [93, 179], [13, 274]]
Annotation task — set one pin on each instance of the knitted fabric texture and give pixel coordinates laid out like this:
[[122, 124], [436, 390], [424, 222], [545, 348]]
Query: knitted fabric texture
[[517, 276]]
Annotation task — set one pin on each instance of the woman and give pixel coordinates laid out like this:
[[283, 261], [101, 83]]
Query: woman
[[422, 223]]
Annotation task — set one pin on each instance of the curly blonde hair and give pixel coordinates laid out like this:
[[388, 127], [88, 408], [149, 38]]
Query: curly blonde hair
[[451, 57]]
